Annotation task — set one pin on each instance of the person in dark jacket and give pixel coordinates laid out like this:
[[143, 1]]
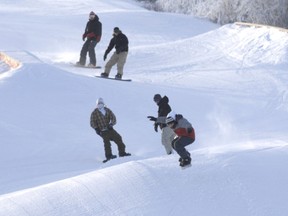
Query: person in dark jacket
[[93, 33], [102, 120], [167, 134], [120, 42], [185, 136]]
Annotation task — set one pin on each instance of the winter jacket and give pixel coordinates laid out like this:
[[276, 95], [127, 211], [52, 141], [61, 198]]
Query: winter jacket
[[182, 128], [164, 107], [93, 30], [101, 122], [163, 110], [120, 42]]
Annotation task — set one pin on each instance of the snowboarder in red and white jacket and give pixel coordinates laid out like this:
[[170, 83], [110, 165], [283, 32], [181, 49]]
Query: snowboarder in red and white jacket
[[185, 135]]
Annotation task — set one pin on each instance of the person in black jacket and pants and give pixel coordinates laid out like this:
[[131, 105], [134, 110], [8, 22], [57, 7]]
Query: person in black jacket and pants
[[120, 42], [93, 33], [167, 134]]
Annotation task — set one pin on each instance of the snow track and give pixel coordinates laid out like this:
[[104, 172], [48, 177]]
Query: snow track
[[229, 81]]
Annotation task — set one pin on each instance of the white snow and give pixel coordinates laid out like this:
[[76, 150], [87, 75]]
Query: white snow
[[230, 82]]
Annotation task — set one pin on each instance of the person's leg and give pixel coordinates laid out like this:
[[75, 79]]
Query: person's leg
[[83, 53], [121, 62], [107, 144], [112, 61], [179, 146], [91, 50], [119, 142], [167, 138]]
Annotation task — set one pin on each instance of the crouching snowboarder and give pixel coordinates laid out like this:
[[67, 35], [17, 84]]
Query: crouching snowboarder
[[102, 120], [185, 136]]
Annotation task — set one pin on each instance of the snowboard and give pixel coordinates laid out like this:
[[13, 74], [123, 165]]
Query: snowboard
[[111, 78], [113, 157], [187, 166], [106, 160], [85, 66]]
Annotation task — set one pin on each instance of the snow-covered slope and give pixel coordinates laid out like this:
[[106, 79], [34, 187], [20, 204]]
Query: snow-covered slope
[[230, 82]]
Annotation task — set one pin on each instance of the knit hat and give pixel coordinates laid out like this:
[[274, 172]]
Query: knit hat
[[100, 102], [157, 98], [116, 30], [92, 13]]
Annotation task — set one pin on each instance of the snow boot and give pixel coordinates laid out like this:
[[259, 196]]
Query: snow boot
[[185, 162], [181, 159], [112, 156], [91, 65], [109, 158], [104, 74], [124, 154], [118, 76], [80, 63]]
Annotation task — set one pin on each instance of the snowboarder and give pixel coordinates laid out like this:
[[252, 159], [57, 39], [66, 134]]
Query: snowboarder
[[167, 134], [103, 120], [120, 42], [93, 33], [185, 136]]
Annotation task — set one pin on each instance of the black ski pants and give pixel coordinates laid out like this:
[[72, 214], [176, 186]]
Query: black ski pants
[[88, 46], [179, 145], [112, 135]]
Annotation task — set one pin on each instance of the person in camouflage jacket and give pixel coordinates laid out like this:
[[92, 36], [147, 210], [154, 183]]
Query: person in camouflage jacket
[[102, 121]]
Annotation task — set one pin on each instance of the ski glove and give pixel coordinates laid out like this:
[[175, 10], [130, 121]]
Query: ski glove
[[110, 127], [98, 131], [83, 37], [98, 38], [156, 127], [152, 118], [91, 35], [105, 56]]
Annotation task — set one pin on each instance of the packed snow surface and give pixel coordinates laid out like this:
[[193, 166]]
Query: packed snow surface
[[230, 82]]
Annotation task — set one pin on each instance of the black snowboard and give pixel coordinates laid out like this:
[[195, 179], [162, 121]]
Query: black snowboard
[[113, 157], [111, 78]]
